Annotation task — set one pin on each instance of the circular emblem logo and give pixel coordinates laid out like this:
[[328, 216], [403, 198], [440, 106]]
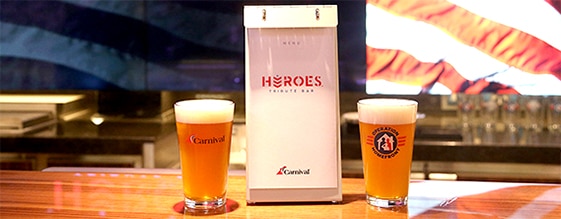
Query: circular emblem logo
[[385, 142]]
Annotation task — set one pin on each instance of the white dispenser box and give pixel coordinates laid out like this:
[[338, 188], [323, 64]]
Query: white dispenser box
[[292, 104]]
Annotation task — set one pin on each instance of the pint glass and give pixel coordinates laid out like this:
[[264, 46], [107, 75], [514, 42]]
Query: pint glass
[[387, 128], [204, 130]]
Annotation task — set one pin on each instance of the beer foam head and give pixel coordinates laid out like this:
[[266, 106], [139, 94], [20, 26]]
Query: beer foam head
[[387, 111], [203, 111]]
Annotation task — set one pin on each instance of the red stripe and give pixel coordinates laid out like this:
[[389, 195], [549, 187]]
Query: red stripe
[[400, 67], [511, 46]]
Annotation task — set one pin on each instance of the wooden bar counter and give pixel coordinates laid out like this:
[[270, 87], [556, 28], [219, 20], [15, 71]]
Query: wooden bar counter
[[127, 193]]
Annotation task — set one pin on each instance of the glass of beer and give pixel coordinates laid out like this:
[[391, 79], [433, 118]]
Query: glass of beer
[[204, 131], [387, 128]]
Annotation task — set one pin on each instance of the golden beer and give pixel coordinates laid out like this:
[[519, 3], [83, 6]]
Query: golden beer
[[387, 128], [204, 130]]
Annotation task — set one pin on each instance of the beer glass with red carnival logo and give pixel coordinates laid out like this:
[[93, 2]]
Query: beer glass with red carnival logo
[[204, 130], [387, 128]]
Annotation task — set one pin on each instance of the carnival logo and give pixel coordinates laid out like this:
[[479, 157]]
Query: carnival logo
[[278, 81], [213, 140], [284, 171], [386, 142]]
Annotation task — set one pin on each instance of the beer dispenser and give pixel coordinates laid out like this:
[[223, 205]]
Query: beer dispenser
[[292, 104]]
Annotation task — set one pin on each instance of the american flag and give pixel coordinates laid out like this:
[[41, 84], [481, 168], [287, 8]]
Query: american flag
[[463, 46], [121, 45]]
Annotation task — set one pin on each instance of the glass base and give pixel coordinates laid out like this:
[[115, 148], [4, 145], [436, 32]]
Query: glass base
[[204, 206], [386, 203]]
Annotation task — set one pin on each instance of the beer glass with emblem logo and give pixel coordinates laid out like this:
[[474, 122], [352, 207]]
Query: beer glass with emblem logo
[[387, 128], [204, 130]]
